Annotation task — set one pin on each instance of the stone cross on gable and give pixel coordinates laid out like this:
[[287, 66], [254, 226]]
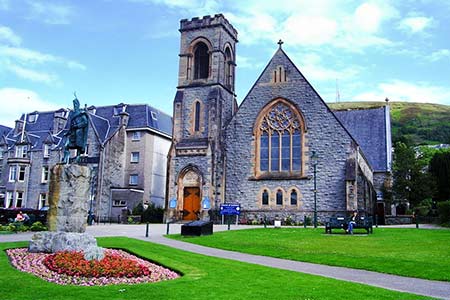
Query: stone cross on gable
[[280, 42]]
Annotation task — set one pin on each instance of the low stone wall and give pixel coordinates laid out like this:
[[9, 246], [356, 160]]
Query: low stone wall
[[399, 220]]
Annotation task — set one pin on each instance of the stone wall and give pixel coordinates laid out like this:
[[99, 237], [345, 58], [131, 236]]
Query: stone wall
[[325, 135]]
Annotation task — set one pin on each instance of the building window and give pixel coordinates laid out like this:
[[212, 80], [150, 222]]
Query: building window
[[201, 61], [46, 150], [19, 199], [197, 112], [45, 174], [134, 157], [12, 173], [120, 203], [134, 179], [136, 136], [280, 136], [42, 200], [9, 199], [293, 197], [22, 170], [1, 153], [32, 118], [154, 115], [228, 65], [265, 198], [279, 197], [21, 151]]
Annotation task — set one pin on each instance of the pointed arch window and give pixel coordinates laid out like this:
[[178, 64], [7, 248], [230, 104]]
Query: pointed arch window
[[280, 139], [201, 61], [228, 67], [279, 197], [197, 111], [265, 198], [293, 197]]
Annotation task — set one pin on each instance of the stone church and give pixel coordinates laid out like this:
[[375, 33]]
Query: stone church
[[282, 153]]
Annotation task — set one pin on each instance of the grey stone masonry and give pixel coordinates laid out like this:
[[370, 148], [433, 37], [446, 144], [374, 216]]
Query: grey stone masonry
[[68, 196], [324, 134]]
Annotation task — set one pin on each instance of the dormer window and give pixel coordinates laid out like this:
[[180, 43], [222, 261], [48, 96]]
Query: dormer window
[[32, 118], [154, 115], [201, 61]]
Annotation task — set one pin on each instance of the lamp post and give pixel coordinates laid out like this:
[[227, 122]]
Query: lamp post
[[314, 159]]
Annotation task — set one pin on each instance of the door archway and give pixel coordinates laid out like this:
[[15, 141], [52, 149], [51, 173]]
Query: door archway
[[190, 189]]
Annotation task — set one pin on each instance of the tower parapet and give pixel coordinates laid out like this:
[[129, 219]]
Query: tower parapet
[[208, 21]]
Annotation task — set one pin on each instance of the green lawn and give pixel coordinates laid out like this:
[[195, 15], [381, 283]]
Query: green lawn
[[204, 278], [409, 252]]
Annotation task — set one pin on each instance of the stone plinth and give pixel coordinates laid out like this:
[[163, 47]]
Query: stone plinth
[[52, 242], [68, 198]]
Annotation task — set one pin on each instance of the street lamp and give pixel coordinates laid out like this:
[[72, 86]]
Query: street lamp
[[314, 159]]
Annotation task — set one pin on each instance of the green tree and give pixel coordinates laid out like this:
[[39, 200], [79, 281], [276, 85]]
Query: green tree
[[440, 169], [412, 181]]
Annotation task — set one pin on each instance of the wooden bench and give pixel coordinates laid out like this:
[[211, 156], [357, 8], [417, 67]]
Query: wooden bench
[[342, 223]]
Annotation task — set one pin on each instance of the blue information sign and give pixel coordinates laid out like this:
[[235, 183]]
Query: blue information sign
[[230, 209]]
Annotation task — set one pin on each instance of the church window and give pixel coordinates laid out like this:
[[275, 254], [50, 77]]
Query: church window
[[228, 68], [265, 198], [280, 139], [201, 61], [279, 197], [293, 197], [197, 116]]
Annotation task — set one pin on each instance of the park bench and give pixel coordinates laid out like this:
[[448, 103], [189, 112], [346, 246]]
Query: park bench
[[342, 223]]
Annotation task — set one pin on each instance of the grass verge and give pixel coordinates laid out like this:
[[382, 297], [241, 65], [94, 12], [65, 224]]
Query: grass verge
[[204, 278], [417, 253]]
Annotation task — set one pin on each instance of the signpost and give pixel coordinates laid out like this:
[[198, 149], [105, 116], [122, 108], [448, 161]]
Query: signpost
[[230, 209]]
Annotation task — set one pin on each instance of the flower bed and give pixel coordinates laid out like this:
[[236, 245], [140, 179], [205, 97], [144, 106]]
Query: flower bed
[[118, 267]]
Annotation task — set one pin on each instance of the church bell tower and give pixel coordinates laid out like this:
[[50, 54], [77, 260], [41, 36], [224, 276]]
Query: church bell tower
[[204, 103]]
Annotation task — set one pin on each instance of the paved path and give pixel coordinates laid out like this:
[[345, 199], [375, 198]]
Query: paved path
[[436, 289]]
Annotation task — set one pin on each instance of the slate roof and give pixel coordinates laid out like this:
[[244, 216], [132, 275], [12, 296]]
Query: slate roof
[[368, 128], [104, 119], [4, 130]]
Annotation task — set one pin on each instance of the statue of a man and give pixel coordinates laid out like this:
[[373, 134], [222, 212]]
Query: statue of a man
[[76, 137]]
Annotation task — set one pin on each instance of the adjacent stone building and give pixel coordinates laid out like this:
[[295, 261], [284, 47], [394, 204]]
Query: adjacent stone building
[[127, 153], [270, 152]]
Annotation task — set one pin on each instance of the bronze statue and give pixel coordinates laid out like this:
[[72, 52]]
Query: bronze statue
[[76, 137]]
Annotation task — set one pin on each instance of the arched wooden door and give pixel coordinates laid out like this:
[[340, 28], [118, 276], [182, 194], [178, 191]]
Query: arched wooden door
[[191, 206]]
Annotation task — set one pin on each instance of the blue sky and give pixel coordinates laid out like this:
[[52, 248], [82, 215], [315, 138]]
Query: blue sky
[[112, 51]]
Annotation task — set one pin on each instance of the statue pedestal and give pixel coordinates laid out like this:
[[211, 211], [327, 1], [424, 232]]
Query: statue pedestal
[[68, 198], [67, 215]]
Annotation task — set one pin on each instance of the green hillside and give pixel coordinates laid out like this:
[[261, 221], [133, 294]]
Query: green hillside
[[416, 123]]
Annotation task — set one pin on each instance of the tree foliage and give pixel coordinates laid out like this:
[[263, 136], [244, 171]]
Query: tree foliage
[[412, 182], [440, 169]]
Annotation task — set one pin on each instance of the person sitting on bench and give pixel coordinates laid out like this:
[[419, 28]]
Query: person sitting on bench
[[352, 222]]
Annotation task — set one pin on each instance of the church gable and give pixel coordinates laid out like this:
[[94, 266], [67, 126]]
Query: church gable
[[276, 159]]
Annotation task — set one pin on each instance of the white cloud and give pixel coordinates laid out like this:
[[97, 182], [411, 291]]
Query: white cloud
[[244, 62], [14, 101], [32, 75], [25, 55], [368, 17], [51, 13], [398, 90], [438, 55], [415, 24], [9, 37]]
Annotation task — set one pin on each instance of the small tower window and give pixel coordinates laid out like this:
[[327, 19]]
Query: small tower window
[[201, 61], [228, 68], [197, 117], [265, 198]]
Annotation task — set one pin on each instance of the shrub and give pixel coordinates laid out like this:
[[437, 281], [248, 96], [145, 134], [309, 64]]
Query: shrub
[[138, 209], [38, 226], [444, 212], [153, 214], [424, 207]]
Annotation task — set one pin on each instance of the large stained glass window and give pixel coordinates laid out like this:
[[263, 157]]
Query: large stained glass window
[[280, 139]]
